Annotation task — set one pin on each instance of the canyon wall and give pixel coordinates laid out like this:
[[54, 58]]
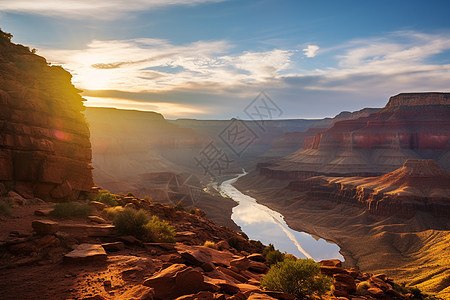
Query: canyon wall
[[419, 185], [412, 125], [44, 140]]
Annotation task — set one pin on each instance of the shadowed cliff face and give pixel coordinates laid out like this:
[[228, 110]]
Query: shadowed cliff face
[[44, 140], [410, 126]]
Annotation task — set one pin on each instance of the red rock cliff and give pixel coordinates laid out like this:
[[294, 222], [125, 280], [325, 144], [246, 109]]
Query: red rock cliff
[[419, 185], [44, 139], [412, 125]]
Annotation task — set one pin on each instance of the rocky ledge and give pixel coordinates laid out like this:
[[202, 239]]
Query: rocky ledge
[[44, 139], [81, 259], [420, 185]]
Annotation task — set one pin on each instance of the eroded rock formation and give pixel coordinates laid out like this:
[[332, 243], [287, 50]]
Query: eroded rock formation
[[420, 185], [44, 140], [412, 125]]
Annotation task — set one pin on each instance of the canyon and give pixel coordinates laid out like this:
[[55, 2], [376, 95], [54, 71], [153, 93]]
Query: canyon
[[375, 182]]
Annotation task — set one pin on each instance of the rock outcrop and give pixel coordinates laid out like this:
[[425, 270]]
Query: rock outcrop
[[412, 125], [44, 140], [420, 185]]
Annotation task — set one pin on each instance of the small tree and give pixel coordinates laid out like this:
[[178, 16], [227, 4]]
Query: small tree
[[301, 278]]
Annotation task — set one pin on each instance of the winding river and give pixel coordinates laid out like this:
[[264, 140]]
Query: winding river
[[261, 223]]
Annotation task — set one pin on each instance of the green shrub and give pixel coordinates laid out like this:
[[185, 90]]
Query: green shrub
[[111, 212], [71, 209], [131, 222], [159, 231], [210, 244], [130, 194], [274, 256], [140, 225], [107, 198], [301, 278], [5, 209]]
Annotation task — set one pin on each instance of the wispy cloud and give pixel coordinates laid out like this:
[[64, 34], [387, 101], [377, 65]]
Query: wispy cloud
[[157, 65], [88, 8], [208, 76], [311, 50]]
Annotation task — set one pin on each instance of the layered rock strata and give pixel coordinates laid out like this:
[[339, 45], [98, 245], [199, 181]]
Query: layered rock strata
[[44, 139], [412, 125], [420, 185]]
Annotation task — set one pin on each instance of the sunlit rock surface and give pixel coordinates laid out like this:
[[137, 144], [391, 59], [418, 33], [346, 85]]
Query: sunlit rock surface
[[412, 125], [44, 140]]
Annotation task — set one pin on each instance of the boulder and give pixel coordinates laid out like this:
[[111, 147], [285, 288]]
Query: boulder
[[86, 253], [258, 267], [240, 263], [80, 230], [174, 281], [113, 247], [99, 206], [203, 295], [257, 257], [97, 219], [138, 292], [344, 285], [331, 263], [258, 296], [45, 227], [43, 212]]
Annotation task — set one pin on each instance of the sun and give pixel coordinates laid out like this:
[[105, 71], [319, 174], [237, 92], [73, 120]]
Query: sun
[[94, 79], [87, 76]]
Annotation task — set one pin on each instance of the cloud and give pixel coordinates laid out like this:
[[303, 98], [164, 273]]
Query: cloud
[[311, 50], [212, 77], [157, 65], [88, 8]]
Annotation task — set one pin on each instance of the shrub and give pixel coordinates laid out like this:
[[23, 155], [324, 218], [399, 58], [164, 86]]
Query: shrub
[[131, 222], [210, 244], [107, 198], [159, 231], [71, 209], [111, 212], [274, 256], [5, 209], [139, 224], [301, 278], [148, 199], [130, 194]]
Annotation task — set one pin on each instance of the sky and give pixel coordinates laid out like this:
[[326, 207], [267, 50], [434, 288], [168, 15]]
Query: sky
[[209, 59]]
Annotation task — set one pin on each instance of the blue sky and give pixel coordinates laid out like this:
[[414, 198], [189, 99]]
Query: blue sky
[[209, 58]]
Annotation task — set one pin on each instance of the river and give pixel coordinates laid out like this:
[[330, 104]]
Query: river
[[261, 223]]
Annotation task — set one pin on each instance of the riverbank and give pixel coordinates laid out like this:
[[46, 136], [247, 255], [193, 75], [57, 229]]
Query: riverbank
[[409, 250], [261, 223]]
